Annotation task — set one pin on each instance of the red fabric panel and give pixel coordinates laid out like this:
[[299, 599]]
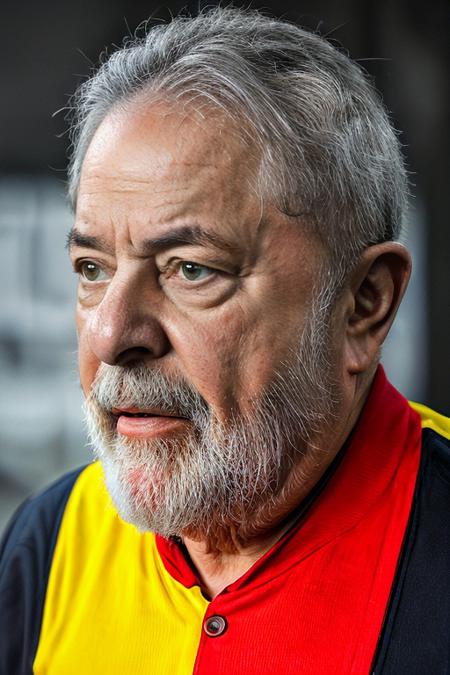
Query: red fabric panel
[[315, 602]]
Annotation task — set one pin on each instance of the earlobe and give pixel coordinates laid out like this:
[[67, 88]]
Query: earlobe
[[377, 287]]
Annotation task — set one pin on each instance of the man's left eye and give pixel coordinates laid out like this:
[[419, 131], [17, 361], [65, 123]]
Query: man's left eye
[[195, 272]]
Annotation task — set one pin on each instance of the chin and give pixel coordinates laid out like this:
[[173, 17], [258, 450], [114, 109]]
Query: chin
[[131, 494]]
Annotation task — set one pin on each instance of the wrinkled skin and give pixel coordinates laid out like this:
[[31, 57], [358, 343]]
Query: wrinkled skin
[[161, 188]]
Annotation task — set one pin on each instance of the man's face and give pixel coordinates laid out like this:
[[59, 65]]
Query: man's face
[[188, 281]]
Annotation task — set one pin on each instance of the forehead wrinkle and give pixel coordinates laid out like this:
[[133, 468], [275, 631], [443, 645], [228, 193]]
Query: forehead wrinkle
[[165, 182]]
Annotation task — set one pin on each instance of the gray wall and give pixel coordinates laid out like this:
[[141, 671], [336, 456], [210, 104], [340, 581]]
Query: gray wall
[[41, 433]]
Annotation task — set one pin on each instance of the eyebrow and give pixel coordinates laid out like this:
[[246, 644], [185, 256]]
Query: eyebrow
[[75, 238], [187, 235]]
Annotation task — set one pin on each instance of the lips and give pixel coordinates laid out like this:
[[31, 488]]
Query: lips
[[142, 412], [147, 423]]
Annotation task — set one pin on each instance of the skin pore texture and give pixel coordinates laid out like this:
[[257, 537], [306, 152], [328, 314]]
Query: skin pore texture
[[196, 302]]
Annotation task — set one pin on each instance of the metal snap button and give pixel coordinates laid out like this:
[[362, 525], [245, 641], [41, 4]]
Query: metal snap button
[[215, 625]]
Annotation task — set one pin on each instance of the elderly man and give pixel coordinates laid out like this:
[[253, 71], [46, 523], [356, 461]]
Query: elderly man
[[277, 507]]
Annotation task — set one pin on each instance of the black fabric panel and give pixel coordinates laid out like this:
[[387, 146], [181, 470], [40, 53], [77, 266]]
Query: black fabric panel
[[25, 559], [416, 635]]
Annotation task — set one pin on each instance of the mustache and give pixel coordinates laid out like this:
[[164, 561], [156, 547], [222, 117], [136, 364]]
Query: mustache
[[144, 387]]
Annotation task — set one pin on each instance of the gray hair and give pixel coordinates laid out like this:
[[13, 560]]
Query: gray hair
[[328, 151]]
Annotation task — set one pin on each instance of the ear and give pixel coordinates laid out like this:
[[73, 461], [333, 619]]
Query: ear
[[376, 288]]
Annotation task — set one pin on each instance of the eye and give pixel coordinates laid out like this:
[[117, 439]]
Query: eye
[[90, 271], [195, 272]]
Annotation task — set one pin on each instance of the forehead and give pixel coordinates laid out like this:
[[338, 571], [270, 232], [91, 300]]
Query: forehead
[[151, 171], [164, 159]]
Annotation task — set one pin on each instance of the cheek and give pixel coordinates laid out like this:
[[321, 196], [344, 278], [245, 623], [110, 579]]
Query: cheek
[[263, 351], [207, 353], [87, 361], [231, 357]]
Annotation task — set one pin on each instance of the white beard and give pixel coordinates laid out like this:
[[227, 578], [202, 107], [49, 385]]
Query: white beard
[[215, 476]]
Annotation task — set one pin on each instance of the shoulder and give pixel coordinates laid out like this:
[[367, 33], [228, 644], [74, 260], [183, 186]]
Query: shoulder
[[38, 517], [416, 633], [435, 440], [433, 420], [25, 560]]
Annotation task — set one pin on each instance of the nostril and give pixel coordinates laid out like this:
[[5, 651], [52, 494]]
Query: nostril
[[133, 356]]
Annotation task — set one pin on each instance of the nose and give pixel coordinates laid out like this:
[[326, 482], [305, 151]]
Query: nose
[[125, 328]]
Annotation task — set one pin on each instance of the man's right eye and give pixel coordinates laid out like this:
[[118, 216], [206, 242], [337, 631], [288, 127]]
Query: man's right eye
[[90, 271]]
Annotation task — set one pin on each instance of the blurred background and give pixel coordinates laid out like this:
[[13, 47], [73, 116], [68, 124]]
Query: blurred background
[[48, 48]]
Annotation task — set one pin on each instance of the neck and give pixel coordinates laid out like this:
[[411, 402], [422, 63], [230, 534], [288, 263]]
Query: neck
[[226, 555], [221, 561], [218, 569]]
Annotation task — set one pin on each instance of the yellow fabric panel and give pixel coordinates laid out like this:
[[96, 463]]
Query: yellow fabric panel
[[111, 607], [432, 420]]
